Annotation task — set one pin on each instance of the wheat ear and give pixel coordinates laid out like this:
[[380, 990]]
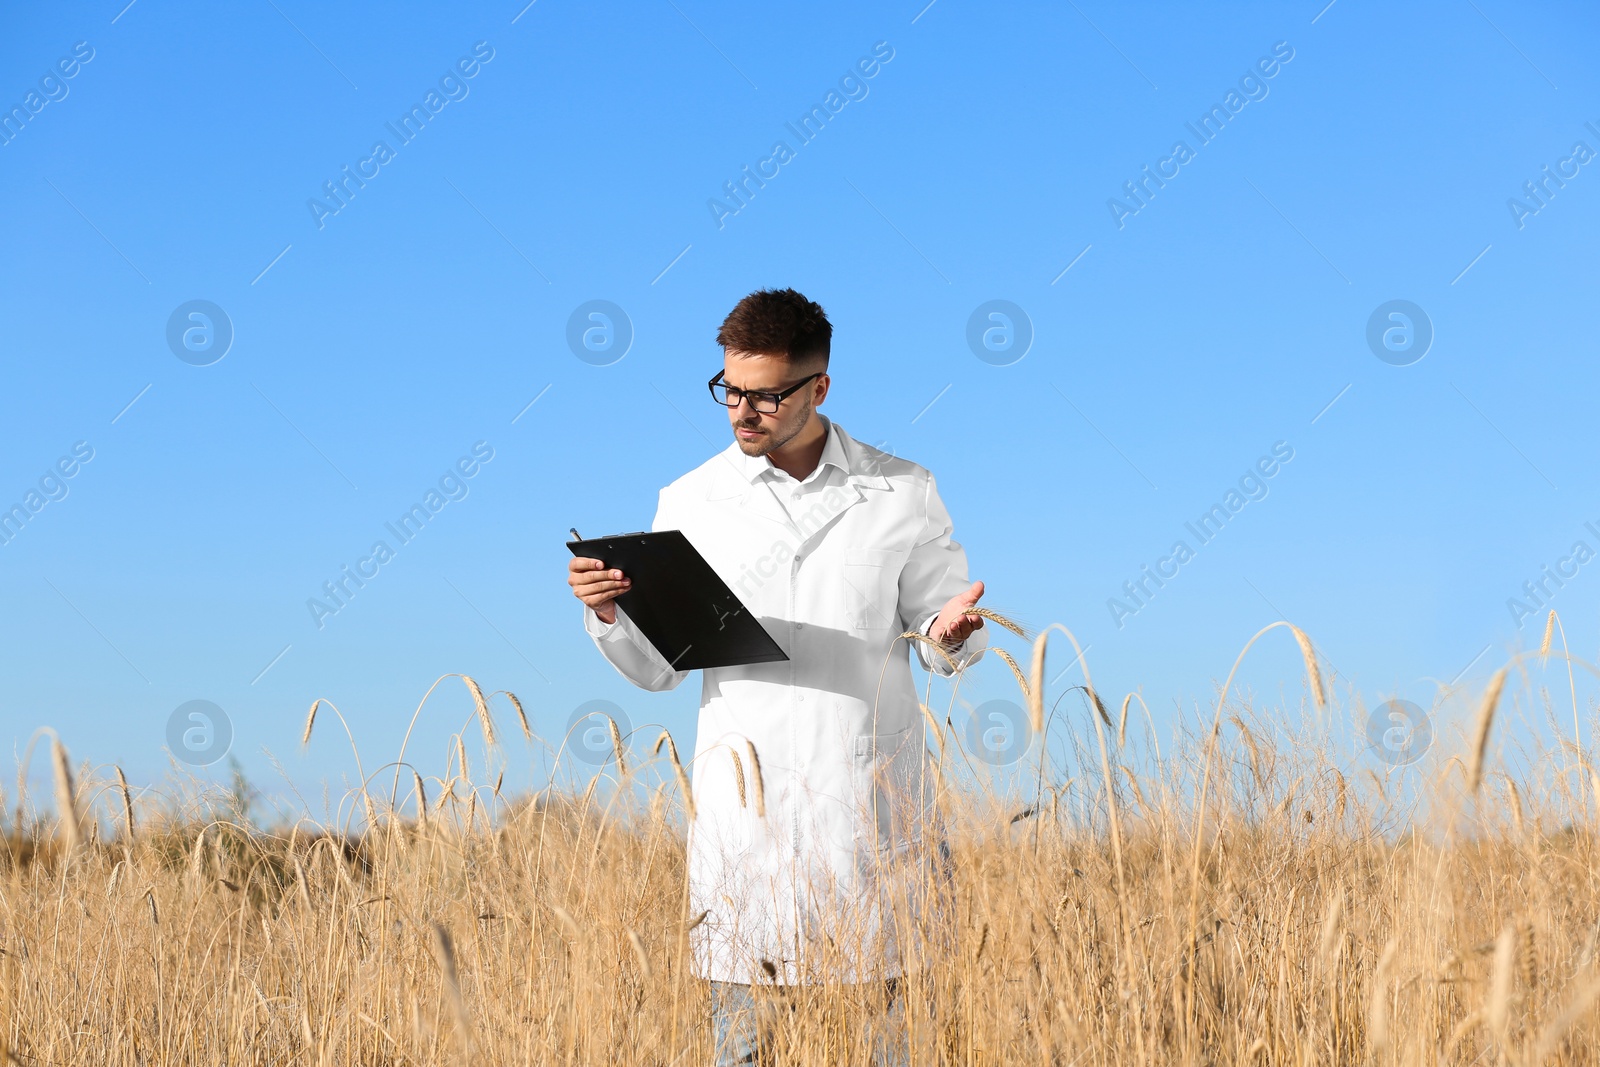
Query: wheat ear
[[1499, 997], [1480, 738], [1378, 1006], [482, 707], [565, 918], [66, 796], [422, 801], [311, 720], [1309, 654], [1016, 670], [677, 769], [127, 802], [641, 955], [522, 716], [912, 635], [760, 787], [738, 774], [1331, 928], [616, 744], [1014, 627], [1036, 685], [1099, 705], [445, 953]]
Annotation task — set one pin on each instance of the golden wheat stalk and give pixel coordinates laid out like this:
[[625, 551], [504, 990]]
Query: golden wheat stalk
[[111, 883], [422, 800], [640, 955], [1577, 1008], [1331, 928], [1516, 805], [522, 716], [66, 797], [616, 745], [677, 769], [995, 616], [482, 707], [912, 635], [1378, 1006], [1498, 999], [1549, 632], [1016, 670], [1255, 751], [1480, 738], [1099, 705], [444, 953], [738, 773], [311, 720], [565, 918], [1309, 654], [1133, 783], [127, 802], [1035, 688], [197, 858], [1528, 954], [755, 776], [933, 724]]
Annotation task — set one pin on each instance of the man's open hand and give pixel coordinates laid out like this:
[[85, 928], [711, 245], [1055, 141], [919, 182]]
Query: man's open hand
[[954, 623], [598, 587]]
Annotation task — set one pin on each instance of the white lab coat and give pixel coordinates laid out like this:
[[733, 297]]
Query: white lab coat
[[831, 883]]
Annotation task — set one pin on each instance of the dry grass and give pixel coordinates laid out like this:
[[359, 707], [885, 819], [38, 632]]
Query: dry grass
[[1301, 912]]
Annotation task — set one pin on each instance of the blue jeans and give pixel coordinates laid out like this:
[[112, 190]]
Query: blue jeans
[[743, 1019]]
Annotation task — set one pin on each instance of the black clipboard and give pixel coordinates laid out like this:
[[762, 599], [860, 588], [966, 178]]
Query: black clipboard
[[688, 613]]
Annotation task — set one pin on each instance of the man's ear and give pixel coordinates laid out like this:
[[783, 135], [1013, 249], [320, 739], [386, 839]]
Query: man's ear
[[822, 384]]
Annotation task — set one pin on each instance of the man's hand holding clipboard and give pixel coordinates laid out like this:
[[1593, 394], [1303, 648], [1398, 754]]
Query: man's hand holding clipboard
[[672, 596], [596, 586]]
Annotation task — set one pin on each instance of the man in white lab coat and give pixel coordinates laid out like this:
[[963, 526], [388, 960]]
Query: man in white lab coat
[[815, 853]]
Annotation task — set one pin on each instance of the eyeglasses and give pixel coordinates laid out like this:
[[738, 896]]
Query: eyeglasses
[[764, 403]]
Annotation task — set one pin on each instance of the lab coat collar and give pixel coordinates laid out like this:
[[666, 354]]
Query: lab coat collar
[[741, 473], [753, 467], [862, 466]]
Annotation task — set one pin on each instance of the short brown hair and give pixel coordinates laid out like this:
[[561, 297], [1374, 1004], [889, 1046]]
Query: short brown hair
[[778, 322]]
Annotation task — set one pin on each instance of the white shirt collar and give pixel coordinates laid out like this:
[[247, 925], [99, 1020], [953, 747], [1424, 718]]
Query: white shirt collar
[[753, 467]]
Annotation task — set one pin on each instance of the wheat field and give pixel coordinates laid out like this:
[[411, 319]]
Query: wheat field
[[1233, 895]]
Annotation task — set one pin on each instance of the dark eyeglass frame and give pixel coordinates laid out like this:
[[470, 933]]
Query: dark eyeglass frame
[[757, 397]]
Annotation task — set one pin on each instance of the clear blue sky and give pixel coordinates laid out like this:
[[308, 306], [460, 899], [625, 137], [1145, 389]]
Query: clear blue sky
[[374, 346]]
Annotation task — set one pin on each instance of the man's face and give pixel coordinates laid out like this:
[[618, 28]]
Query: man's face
[[758, 433]]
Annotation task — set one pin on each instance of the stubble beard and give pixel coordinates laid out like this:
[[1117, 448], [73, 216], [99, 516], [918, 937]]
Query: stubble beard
[[774, 438]]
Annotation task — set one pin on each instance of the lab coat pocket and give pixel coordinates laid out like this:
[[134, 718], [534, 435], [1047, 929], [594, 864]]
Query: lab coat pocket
[[871, 588], [885, 766]]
